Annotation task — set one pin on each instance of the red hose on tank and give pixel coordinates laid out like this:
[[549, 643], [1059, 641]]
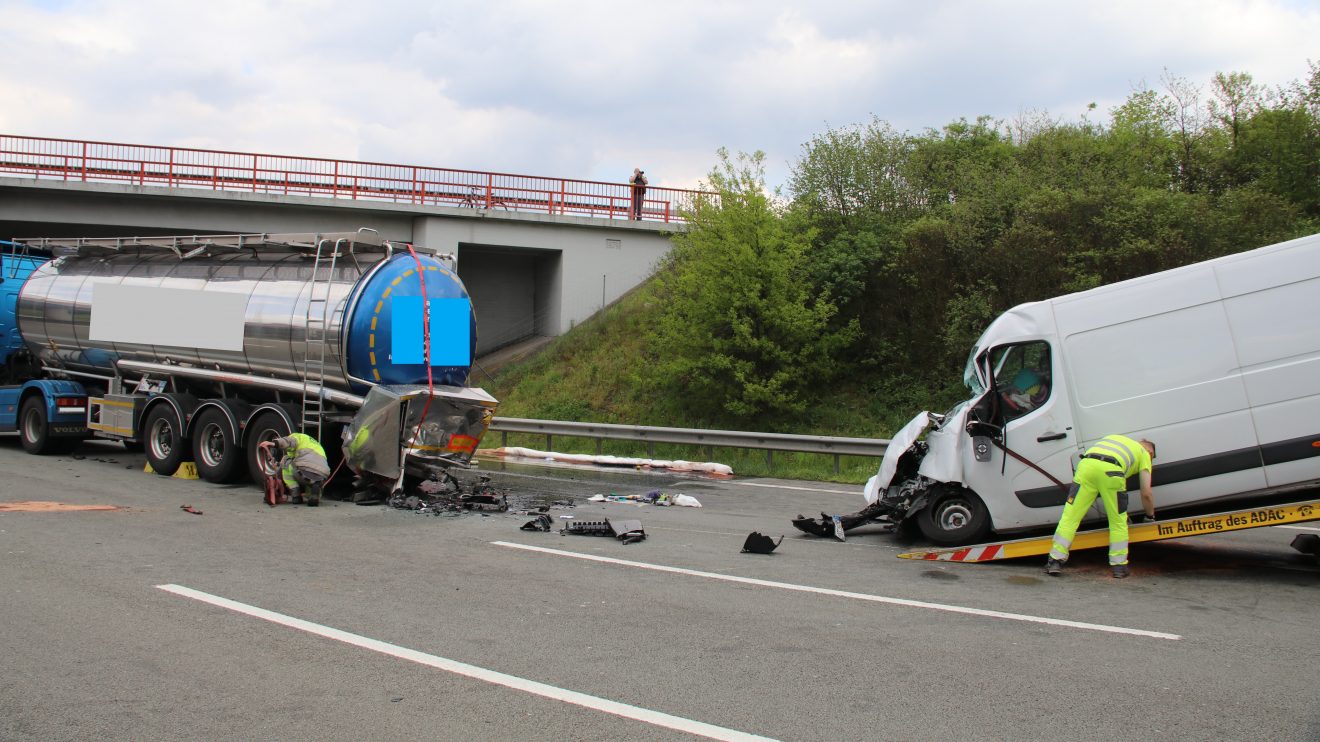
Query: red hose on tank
[[426, 342]]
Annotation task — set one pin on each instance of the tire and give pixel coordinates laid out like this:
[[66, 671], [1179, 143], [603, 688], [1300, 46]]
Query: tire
[[163, 441], [34, 430], [215, 449], [265, 427], [954, 517]]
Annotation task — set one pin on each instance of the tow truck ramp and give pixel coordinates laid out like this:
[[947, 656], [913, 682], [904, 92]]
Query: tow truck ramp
[[1160, 530]]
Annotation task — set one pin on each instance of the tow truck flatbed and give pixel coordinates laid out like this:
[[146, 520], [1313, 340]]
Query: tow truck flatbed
[[1160, 530]]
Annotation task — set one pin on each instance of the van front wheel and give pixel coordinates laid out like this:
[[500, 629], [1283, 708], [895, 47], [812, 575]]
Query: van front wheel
[[954, 516]]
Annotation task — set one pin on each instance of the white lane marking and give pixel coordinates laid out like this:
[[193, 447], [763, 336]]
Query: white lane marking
[[826, 542], [856, 596], [800, 489], [1299, 528], [627, 711]]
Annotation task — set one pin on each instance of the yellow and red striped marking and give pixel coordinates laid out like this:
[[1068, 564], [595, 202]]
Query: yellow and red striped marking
[[1237, 520]]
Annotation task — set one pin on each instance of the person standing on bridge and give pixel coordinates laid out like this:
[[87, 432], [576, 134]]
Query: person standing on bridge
[[638, 191], [1103, 471]]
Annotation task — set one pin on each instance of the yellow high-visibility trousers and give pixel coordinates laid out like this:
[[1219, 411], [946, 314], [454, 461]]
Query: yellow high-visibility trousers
[[1094, 479]]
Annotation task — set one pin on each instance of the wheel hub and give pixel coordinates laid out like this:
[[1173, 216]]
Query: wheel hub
[[955, 516]]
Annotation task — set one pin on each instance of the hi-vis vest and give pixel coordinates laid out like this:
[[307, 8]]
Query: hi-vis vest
[[1130, 455]]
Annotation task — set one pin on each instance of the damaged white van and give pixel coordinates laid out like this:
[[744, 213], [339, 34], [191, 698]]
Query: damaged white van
[[1217, 362]]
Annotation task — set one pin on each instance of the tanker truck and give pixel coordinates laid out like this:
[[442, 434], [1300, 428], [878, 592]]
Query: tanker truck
[[200, 348]]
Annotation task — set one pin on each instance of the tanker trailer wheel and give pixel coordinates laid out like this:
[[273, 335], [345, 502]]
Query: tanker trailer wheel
[[265, 427], [34, 430], [163, 441], [955, 516], [215, 449]]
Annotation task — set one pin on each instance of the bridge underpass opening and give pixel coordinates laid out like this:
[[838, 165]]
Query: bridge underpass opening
[[515, 291]]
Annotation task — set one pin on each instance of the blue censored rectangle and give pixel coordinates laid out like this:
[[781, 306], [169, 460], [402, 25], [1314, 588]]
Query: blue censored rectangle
[[451, 331]]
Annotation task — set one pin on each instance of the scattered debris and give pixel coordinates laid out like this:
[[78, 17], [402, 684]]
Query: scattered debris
[[827, 526], [190, 509], [626, 531], [449, 496], [654, 497], [758, 544]]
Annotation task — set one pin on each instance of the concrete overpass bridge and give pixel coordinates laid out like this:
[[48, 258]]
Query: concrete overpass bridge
[[538, 255]]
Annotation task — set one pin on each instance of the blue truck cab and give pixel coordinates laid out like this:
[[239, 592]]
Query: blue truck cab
[[49, 415]]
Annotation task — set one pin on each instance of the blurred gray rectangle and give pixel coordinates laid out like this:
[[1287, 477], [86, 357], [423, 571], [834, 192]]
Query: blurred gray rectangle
[[151, 315]]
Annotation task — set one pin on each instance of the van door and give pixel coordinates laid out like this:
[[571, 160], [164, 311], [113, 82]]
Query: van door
[[1027, 413]]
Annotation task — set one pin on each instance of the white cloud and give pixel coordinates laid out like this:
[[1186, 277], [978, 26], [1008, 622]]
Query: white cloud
[[591, 90]]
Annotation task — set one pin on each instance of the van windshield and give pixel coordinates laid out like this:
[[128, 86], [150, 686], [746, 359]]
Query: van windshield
[[970, 378]]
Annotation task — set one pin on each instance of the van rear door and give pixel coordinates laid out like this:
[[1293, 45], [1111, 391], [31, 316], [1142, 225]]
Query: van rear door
[[1272, 299]]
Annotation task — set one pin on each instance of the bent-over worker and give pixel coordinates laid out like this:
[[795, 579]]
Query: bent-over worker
[[303, 464], [1103, 471]]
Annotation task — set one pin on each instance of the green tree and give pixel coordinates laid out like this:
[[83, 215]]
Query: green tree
[[741, 334]]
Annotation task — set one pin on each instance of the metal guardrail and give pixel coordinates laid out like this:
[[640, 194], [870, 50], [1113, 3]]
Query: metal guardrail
[[186, 168], [651, 435]]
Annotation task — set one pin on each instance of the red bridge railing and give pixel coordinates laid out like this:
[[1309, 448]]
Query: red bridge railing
[[179, 167]]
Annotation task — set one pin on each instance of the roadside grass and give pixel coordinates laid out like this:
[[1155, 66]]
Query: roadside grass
[[590, 374]]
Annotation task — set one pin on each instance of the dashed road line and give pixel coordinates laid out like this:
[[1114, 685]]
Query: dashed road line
[[799, 489], [855, 596], [627, 711]]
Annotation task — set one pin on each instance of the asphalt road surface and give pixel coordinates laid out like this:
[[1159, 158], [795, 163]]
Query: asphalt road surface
[[350, 622]]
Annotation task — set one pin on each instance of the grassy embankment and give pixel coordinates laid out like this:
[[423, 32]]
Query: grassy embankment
[[590, 375]]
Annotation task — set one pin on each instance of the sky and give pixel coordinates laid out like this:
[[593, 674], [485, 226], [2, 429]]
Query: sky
[[590, 90]]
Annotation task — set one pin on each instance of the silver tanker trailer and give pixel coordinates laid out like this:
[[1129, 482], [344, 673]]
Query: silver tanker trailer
[[201, 347]]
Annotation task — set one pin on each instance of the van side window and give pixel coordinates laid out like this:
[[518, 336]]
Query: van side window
[[1022, 377]]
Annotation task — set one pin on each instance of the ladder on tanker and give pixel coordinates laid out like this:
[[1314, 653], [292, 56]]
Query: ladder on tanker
[[316, 325], [1160, 530]]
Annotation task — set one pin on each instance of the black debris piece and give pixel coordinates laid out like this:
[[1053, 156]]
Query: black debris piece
[[627, 531], [879, 513], [1307, 543], [758, 544], [822, 527], [588, 528], [539, 523]]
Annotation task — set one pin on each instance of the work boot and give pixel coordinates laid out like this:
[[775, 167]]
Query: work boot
[[1053, 567], [1121, 571]]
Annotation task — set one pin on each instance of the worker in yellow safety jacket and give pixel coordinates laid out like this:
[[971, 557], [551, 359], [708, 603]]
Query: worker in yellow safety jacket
[[1103, 472], [303, 464]]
